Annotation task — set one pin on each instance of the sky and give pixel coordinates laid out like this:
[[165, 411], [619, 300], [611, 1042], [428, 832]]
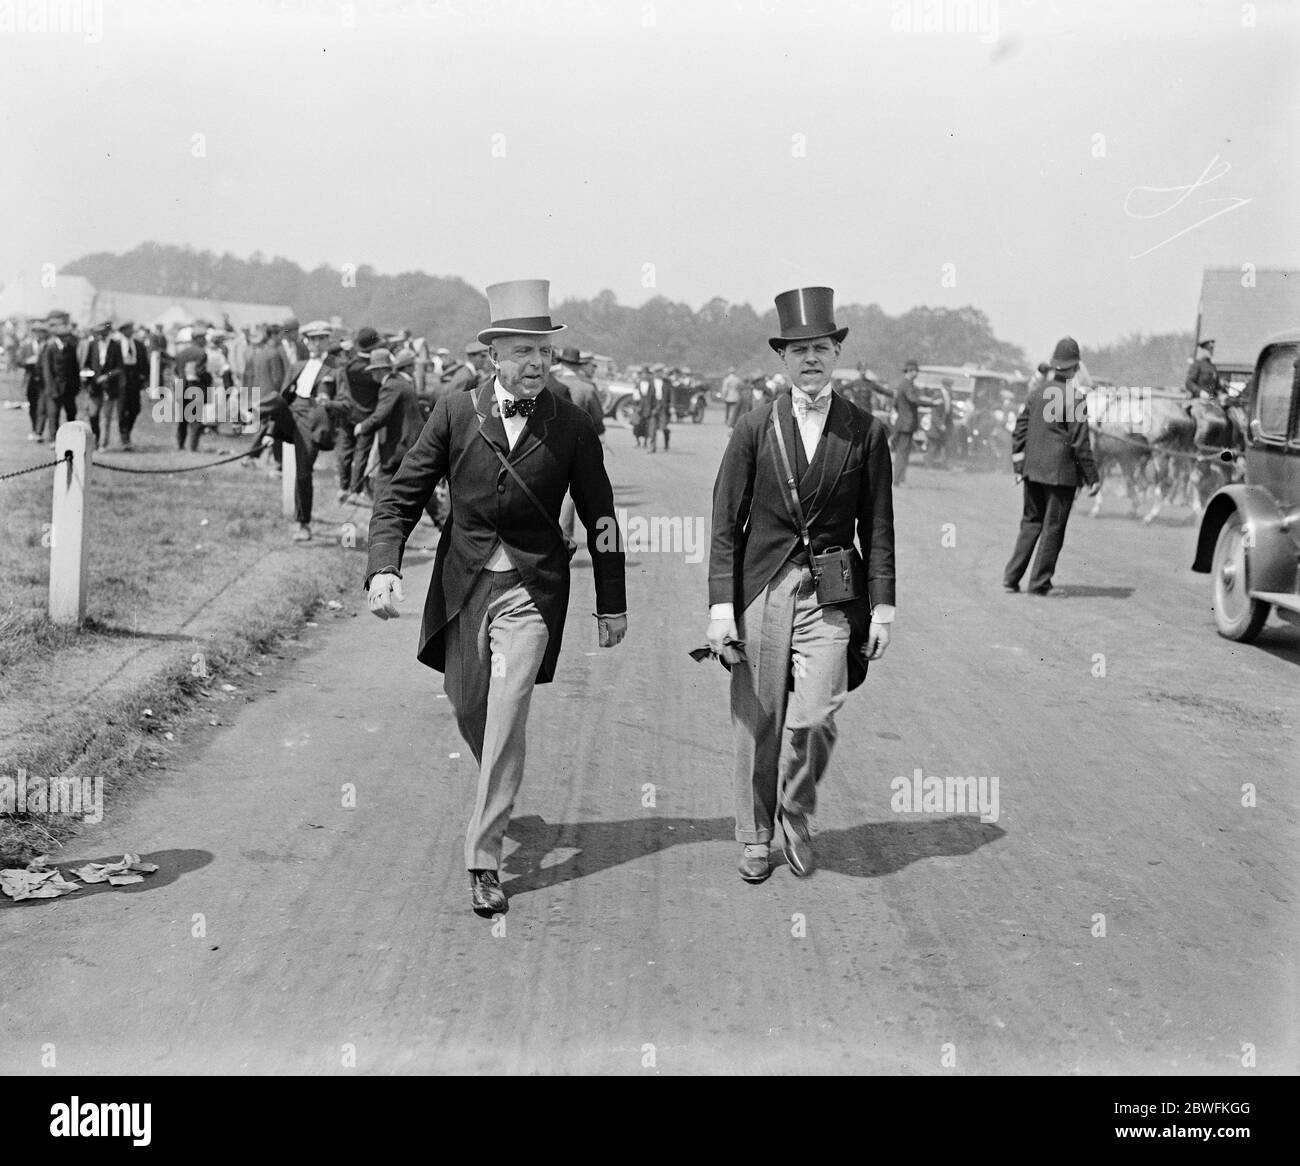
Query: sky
[[1064, 167]]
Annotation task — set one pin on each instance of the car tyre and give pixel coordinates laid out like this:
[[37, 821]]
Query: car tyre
[[1237, 615], [625, 411]]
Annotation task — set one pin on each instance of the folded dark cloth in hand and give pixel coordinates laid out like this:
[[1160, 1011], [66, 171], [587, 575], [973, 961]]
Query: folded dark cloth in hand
[[732, 653]]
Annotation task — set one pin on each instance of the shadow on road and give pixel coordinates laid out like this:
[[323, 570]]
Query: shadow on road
[[171, 865], [866, 851]]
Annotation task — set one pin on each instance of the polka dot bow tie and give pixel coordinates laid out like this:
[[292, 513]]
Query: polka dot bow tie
[[523, 407], [805, 405]]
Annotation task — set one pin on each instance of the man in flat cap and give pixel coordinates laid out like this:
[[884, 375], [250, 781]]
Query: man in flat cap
[[802, 477], [308, 386], [1051, 453], [494, 616], [28, 357]]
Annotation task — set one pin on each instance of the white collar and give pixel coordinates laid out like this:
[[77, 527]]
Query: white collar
[[825, 391]]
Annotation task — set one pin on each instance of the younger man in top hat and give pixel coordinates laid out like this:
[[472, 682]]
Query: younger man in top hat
[[495, 612], [800, 656], [1051, 450]]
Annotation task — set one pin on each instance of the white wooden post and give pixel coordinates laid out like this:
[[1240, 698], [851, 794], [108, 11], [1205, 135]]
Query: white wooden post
[[289, 460], [155, 375], [68, 544]]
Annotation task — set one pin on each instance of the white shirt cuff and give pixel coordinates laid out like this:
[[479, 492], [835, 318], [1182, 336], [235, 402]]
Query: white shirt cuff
[[722, 611], [882, 613]]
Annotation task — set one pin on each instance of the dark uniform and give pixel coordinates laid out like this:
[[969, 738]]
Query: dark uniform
[[1203, 377], [1052, 449]]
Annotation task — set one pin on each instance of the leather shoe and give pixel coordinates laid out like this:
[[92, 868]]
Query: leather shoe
[[1013, 588], [755, 863], [798, 844], [485, 893]]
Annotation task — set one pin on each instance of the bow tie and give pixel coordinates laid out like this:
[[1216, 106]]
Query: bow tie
[[523, 407], [805, 405]]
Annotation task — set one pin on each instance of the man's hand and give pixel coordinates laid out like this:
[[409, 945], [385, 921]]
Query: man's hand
[[877, 641], [610, 630], [1019, 479], [385, 591], [721, 631], [1094, 489]]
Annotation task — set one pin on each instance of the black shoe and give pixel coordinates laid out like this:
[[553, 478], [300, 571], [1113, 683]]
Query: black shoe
[[798, 844], [1041, 590], [485, 893], [755, 863], [1013, 588]]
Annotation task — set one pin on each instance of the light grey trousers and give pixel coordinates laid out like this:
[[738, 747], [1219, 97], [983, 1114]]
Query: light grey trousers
[[784, 739], [495, 645]]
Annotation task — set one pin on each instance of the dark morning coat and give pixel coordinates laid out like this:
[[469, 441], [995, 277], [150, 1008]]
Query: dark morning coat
[[846, 494], [110, 375], [558, 451], [398, 413], [1051, 443]]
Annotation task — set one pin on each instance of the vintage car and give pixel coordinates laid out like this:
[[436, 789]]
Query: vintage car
[[1249, 541]]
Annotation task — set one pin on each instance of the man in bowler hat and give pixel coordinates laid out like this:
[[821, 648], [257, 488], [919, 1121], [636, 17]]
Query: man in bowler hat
[[494, 616], [1051, 452], [799, 657]]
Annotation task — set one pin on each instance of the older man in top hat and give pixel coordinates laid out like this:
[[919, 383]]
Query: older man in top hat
[[1051, 450], [495, 612], [793, 616], [1203, 378]]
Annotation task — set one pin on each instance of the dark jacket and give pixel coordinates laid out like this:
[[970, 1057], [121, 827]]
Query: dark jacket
[[907, 397], [266, 369], [557, 451], [192, 365], [135, 376], [846, 494], [1202, 377], [583, 394], [109, 377], [324, 388], [358, 390], [1051, 443], [399, 414], [60, 368]]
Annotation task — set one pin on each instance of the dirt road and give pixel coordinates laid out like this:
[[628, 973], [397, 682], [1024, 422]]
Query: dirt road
[[1124, 912]]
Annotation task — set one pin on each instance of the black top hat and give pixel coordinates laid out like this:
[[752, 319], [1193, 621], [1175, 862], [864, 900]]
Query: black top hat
[[806, 313], [1065, 354]]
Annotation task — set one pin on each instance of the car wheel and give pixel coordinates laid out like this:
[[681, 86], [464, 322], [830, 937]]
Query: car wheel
[[625, 411], [697, 414], [1238, 616]]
